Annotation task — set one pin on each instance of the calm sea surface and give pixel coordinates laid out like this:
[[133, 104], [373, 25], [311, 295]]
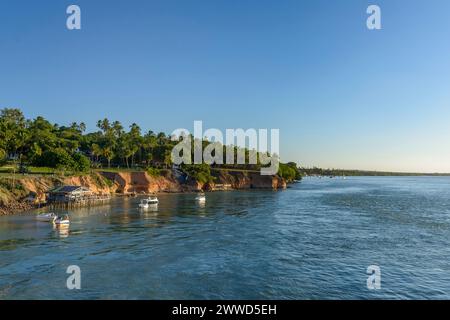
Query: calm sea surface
[[312, 241]]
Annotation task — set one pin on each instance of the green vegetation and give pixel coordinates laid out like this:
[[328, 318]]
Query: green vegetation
[[153, 172], [11, 169], [39, 147], [101, 180], [289, 172], [9, 188], [3, 156], [200, 172], [39, 143]]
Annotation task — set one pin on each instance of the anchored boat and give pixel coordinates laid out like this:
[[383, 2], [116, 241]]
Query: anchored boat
[[46, 217], [201, 198], [150, 201], [61, 221]]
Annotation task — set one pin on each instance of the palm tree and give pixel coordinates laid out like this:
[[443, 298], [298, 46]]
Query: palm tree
[[149, 143], [104, 125], [135, 140], [96, 151], [108, 153], [117, 129], [168, 159], [161, 138]]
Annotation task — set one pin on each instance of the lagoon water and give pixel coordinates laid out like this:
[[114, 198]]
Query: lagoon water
[[312, 241]]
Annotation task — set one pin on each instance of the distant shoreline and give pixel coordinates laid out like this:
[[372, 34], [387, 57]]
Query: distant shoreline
[[364, 173]]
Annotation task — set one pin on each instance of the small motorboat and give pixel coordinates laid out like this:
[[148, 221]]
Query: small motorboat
[[61, 221], [143, 204], [46, 217], [201, 198], [152, 200], [146, 203]]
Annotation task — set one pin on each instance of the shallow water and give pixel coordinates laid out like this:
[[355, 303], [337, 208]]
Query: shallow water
[[312, 241]]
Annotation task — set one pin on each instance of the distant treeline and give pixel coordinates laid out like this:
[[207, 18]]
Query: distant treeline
[[343, 172]]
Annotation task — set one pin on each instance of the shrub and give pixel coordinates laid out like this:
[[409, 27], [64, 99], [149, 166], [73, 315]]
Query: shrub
[[56, 158], [81, 163], [200, 172], [60, 159], [153, 172], [289, 172], [3, 157]]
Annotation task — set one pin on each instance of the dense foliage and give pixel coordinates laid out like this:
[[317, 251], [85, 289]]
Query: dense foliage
[[199, 172], [39, 143], [289, 172]]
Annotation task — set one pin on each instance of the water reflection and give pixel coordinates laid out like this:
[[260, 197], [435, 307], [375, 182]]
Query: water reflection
[[62, 231], [151, 208], [201, 204]]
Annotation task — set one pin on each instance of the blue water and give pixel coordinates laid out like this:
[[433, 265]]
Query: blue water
[[312, 241]]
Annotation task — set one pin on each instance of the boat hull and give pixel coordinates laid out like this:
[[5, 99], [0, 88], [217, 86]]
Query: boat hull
[[45, 217]]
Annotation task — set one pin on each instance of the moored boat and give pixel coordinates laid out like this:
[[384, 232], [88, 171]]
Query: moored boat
[[61, 221], [143, 204], [152, 200], [46, 217], [201, 198]]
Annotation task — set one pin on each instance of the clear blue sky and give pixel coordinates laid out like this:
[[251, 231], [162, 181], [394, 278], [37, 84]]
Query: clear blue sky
[[341, 95]]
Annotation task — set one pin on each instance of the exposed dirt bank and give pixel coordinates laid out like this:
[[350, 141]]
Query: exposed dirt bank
[[25, 192]]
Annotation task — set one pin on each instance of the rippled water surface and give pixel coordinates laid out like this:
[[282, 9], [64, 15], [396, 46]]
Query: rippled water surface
[[312, 241]]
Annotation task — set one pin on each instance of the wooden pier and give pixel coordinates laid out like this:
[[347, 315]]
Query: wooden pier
[[87, 201]]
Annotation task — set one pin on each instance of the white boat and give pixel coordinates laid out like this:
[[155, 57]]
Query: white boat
[[46, 217], [200, 198], [152, 200], [143, 204], [61, 221], [146, 203]]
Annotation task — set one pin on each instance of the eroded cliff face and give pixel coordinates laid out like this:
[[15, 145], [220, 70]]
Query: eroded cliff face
[[94, 182], [32, 190], [28, 191], [246, 180], [141, 182]]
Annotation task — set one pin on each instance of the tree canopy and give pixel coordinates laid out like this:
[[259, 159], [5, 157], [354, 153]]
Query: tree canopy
[[41, 143]]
